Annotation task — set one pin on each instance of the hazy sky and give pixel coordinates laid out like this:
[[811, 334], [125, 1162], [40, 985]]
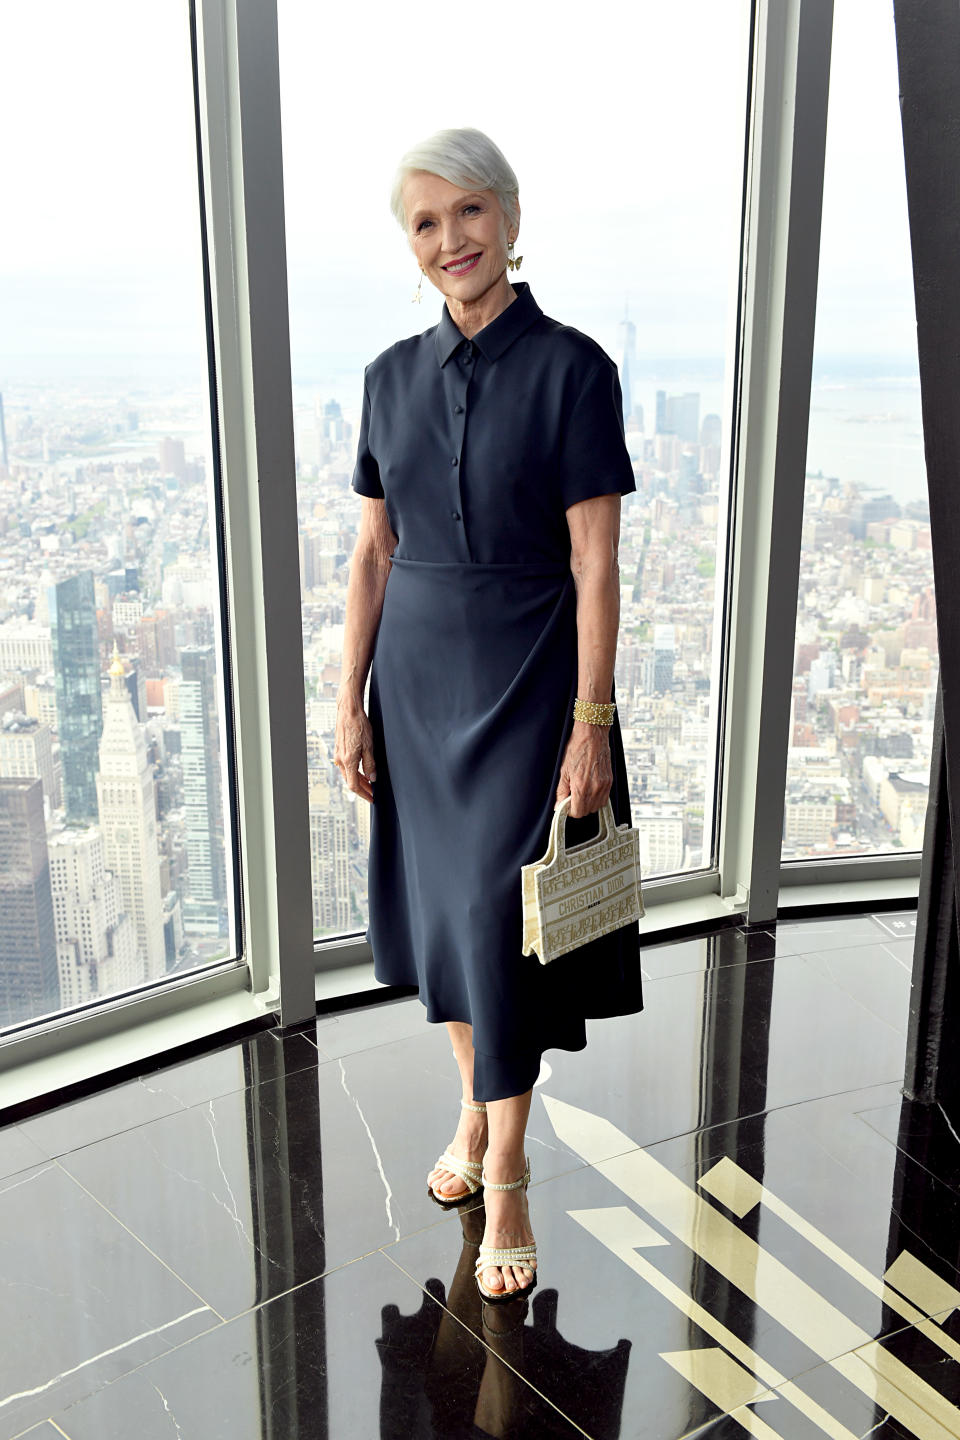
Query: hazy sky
[[623, 122]]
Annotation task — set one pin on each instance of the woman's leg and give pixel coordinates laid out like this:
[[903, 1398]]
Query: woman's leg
[[471, 1138], [508, 1218]]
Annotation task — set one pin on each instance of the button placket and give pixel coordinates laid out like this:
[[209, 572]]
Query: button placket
[[456, 384], [461, 386]]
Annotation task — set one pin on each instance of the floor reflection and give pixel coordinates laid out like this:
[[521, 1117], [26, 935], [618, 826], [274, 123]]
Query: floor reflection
[[742, 1227], [426, 1360]]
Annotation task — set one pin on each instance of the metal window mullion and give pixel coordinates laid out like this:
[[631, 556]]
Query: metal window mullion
[[781, 264], [243, 183]]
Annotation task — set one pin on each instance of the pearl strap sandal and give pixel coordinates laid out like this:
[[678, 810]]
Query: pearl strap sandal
[[523, 1256], [469, 1171]]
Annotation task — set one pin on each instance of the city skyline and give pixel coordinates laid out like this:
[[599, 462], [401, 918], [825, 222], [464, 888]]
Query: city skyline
[[147, 588]]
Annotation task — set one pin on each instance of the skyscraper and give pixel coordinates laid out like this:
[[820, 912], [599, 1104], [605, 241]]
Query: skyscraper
[[204, 907], [664, 656], [96, 942], [172, 457], [683, 417], [76, 663], [628, 344], [128, 818], [28, 945], [628, 336], [330, 855], [26, 748], [625, 388]]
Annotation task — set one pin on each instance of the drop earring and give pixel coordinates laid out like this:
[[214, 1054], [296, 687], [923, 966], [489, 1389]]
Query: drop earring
[[416, 296], [513, 262]]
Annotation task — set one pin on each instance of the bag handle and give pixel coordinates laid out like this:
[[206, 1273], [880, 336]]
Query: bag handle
[[558, 845]]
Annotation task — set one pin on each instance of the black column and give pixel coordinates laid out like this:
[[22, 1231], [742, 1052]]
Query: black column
[[928, 56]]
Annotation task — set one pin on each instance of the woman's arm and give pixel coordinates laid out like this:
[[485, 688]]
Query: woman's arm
[[369, 571], [587, 770]]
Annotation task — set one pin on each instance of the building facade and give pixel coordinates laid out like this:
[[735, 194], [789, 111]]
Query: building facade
[[204, 907], [76, 664], [128, 817], [28, 949]]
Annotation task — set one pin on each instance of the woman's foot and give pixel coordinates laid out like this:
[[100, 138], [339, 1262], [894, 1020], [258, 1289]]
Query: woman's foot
[[508, 1225], [470, 1144]]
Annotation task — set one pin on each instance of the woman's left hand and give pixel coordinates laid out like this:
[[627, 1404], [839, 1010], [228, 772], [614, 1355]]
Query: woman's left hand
[[586, 773]]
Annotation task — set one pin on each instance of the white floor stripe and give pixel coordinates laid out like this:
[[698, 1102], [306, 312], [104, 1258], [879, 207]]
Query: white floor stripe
[[729, 1182], [622, 1231], [769, 1283]]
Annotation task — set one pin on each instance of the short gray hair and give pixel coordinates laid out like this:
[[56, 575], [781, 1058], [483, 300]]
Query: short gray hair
[[465, 157]]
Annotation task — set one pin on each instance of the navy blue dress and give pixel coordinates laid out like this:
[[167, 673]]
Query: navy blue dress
[[478, 447]]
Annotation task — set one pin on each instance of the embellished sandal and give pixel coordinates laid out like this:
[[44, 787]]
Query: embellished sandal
[[519, 1255], [469, 1171]]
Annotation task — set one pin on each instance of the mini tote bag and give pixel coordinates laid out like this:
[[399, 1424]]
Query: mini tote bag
[[575, 894]]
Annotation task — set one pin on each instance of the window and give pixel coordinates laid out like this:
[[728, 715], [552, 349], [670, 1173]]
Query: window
[[627, 137], [116, 809], [865, 669]]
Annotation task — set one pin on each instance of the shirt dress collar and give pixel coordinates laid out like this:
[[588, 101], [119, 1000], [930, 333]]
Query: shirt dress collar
[[496, 337]]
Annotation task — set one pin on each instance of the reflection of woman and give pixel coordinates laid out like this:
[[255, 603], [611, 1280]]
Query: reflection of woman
[[484, 600], [430, 1361]]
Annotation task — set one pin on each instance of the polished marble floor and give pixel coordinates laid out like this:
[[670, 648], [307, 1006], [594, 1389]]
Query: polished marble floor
[[743, 1227]]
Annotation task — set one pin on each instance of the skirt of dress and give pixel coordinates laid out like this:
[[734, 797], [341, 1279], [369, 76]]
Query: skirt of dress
[[472, 685]]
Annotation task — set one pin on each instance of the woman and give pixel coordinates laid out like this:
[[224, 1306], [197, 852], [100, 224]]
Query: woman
[[484, 600]]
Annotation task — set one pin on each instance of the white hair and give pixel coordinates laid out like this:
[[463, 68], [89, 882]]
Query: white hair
[[465, 157]]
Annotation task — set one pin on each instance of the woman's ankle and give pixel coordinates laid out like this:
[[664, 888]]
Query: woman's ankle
[[503, 1166]]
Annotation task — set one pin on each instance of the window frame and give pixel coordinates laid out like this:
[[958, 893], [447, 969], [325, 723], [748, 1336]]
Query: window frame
[[284, 968]]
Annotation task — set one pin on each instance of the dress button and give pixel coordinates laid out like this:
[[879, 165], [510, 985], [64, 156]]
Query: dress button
[[455, 514], [458, 409], [454, 460]]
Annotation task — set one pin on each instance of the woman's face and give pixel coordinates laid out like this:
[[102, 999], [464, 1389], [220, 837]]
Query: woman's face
[[459, 236]]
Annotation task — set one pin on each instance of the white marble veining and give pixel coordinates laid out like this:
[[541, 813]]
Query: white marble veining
[[102, 1354], [15, 1184], [376, 1153]]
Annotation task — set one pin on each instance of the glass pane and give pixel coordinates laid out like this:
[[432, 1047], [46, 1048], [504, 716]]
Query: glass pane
[[627, 138], [865, 668], [116, 814]]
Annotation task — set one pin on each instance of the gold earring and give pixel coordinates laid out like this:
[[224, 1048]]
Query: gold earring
[[513, 262], [416, 294]]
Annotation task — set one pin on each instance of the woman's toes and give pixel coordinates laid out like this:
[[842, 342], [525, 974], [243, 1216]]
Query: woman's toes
[[445, 1183], [493, 1279]]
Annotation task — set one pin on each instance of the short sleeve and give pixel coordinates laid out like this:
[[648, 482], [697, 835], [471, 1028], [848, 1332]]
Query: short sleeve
[[594, 459], [366, 473]]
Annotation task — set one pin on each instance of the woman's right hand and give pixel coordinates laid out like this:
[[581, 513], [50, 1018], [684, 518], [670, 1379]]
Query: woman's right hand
[[353, 746]]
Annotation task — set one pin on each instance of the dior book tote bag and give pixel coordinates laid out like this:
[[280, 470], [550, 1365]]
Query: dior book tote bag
[[576, 893]]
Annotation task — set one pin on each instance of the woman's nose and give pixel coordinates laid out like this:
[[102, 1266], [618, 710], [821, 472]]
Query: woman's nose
[[451, 238]]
